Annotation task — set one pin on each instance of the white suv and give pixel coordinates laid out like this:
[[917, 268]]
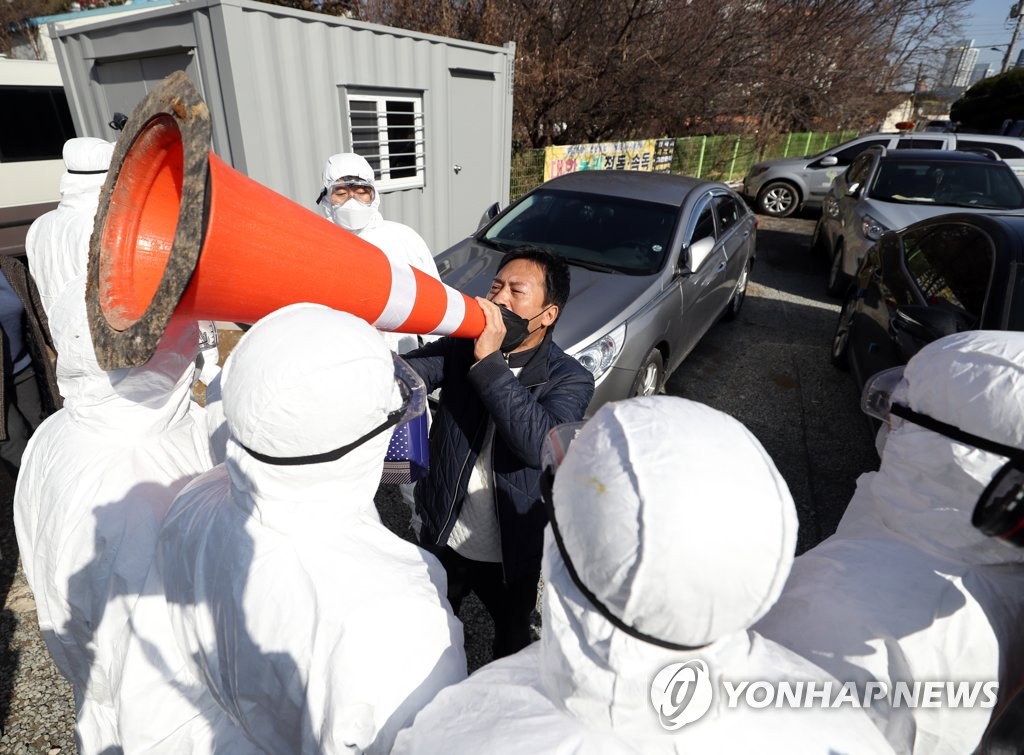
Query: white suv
[[780, 187]]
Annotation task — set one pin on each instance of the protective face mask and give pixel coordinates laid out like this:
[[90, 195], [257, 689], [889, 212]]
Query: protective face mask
[[353, 215], [516, 328]]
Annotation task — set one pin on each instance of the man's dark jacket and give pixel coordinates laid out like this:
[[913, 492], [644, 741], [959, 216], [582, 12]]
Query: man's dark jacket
[[552, 388]]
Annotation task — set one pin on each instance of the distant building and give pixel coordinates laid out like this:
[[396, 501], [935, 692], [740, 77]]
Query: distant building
[[980, 71], [958, 66]]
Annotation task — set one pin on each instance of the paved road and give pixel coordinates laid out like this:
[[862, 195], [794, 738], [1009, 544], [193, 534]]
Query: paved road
[[769, 369]]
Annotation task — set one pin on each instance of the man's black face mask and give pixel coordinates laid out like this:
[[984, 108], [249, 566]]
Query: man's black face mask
[[516, 328]]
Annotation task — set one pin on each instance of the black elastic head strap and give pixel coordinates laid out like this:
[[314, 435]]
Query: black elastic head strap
[[955, 433], [547, 481], [292, 461], [86, 172]]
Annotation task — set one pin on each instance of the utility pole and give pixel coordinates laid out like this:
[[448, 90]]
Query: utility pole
[[1015, 11]]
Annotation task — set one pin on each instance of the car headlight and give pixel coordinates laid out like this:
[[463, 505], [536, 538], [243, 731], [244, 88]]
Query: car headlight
[[831, 206], [599, 356], [871, 228]]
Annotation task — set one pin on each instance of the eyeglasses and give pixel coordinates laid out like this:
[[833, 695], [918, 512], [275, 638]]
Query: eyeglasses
[[552, 454], [414, 403], [999, 511]]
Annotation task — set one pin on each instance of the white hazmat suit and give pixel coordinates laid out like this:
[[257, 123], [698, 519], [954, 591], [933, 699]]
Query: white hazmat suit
[[677, 521], [907, 590], [57, 243], [310, 626], [399, 242], [97, 478]]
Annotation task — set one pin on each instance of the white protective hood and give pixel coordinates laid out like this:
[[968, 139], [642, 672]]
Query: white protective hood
[[305, 622], [349, 164], [57, 244], [677, 520], [97, 479], [907, 590]]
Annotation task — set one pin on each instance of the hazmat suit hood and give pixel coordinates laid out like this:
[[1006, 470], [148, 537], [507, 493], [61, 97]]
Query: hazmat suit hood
[[352, 215], [275, 409], [688, 541], [927, 485], [143, 399], [57, 244]]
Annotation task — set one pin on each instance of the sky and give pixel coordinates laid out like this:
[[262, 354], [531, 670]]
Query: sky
[[988, 25]]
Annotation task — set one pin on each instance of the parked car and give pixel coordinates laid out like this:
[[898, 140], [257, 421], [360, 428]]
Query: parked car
[[936, 277], [656, 260], [781, 187], [888, 189]]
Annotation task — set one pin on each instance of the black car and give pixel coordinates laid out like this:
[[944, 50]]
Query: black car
[[936, 277]]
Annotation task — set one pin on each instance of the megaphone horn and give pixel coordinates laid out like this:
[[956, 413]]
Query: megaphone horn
[[179, 233]]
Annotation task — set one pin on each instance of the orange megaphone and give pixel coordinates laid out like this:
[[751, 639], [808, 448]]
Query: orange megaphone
[[179, 233]]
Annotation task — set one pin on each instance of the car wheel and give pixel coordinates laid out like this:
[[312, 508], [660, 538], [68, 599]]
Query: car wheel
[[778, 199], [838, 281], [739, 295], [840, 352], [649, 376]]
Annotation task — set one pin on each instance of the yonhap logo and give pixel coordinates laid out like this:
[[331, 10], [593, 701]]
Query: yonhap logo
[[681, 693]]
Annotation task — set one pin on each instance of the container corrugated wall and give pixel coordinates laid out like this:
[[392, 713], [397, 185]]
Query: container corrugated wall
[[276, 81]]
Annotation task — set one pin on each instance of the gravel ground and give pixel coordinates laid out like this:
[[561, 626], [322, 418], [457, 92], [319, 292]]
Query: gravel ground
[[769, 369]]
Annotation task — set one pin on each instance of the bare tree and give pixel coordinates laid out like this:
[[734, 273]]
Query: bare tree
[[599, 69], [17, 30]]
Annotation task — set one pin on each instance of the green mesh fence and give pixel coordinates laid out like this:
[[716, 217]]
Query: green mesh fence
[[719, 158]]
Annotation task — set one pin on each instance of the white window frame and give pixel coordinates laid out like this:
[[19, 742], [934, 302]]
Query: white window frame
[[379, 148]]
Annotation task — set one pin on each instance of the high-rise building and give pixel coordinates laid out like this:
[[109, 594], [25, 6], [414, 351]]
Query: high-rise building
[[959, 65], [979, 72]]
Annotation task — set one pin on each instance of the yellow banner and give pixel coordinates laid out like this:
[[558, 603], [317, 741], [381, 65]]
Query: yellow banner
[[634, 155]]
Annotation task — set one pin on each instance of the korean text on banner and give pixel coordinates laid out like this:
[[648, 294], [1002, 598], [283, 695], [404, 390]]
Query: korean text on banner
[[632, 155]]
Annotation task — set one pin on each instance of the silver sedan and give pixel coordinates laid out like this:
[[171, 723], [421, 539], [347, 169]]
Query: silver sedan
[[656, 260]]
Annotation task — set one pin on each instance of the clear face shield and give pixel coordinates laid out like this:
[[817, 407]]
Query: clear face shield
[[414, 403], [552, 454], [999, 511]]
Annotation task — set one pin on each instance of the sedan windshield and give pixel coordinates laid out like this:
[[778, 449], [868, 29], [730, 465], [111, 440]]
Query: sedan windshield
[[992, 186], [595, 231]]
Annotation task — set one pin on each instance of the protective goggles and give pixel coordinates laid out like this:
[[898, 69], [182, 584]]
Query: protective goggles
[[346, 187], [553, 452], [1000, 508], [414, 403]]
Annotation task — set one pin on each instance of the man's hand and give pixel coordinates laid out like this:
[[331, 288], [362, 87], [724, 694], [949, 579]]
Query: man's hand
[[489, 341]]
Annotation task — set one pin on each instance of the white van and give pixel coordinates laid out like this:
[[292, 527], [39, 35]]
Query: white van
[[35, 124]]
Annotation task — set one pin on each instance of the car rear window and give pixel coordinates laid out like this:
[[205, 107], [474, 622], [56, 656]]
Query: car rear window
[[623, 235]]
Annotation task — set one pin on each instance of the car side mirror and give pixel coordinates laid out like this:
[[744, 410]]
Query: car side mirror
[[916, 325], [828, 161], [489, 214], [699, 251]]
